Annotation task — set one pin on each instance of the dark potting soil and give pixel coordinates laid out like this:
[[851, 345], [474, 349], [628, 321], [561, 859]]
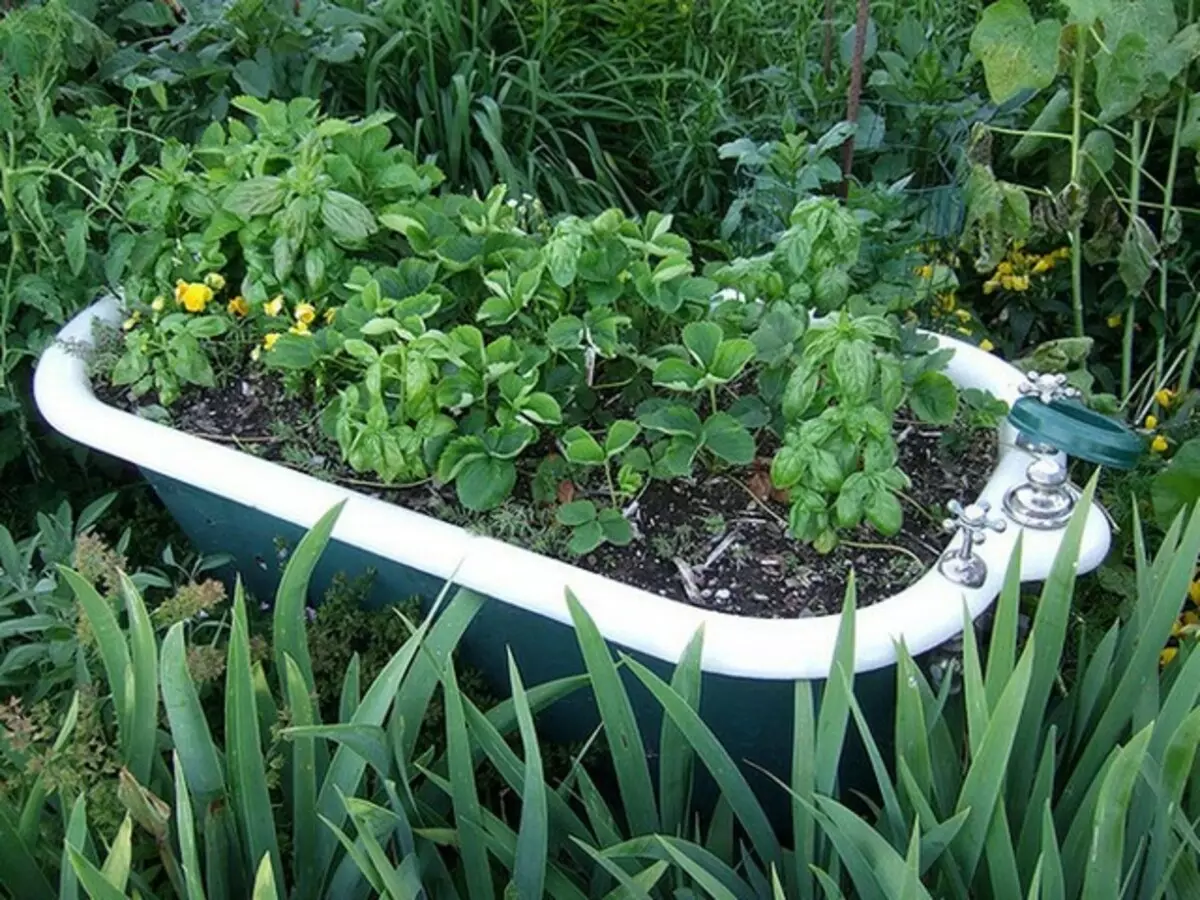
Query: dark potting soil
[[718, 541]]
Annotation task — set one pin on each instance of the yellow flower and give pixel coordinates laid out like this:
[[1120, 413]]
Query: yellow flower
[[330, 315], [962, 315], [1005, 268], [274, 306], [1194, 591], [180, 287], [1190, 619], [305, 313], [1159, 444], [1045, 264], [215, 280], [1151, 422], [1019, 283], [1164, 397], [990, 286], [131, 323], [299, 328], [1063, 253], [925, 271], [270, 339], [238, 306], [1114, 321], [158, 303], [1166, 655], [986, 346], [194, 297]]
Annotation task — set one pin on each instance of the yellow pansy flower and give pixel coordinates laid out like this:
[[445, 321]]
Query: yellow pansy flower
[[986, 346], [305, 313], [1159, 444], [158, 303], [1164, 397], [194, 297], [1151, 422], [215, 280], [270, 339], [274, 306], [238, 306]]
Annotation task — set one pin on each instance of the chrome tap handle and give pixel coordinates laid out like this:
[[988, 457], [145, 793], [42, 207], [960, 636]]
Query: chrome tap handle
[[1047, 387], [973, 521]]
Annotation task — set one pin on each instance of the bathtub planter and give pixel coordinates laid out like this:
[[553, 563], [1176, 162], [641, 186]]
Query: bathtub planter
[[229, 501]]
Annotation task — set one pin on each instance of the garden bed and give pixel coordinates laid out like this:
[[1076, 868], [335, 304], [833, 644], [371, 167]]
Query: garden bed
[[718, 541]]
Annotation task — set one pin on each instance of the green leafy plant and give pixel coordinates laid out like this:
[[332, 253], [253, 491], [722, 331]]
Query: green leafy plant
[[591, 527], [838, 459]]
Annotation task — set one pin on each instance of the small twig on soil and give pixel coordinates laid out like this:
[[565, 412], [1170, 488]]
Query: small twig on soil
[[894, 548], [921, 509], [688, 577], [908, 429], [720, 549], [776, 516], [236, 439]]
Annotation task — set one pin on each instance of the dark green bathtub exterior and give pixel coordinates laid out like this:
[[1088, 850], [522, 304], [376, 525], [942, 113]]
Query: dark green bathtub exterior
[[752, 717]]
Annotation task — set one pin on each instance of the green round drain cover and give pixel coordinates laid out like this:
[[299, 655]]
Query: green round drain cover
[[1078, 431]]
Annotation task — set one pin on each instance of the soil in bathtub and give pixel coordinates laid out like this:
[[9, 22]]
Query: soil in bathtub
[[718, 541]]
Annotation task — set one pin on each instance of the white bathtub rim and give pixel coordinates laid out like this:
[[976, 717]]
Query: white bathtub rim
[[922, 616]]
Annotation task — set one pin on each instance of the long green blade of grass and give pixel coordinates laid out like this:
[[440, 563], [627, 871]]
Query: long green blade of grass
[[719, 763], [189, 727], [529, 867], [1106, 857], [143, 653], [674, 752], [304, 782], [620, 726], [247, 768], [75, 838], [468, 814], [289, 622], [185, 831]]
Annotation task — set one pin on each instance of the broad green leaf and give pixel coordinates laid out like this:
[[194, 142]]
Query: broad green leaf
[[673, 419], [726, 437], [576, 513], [485, 482], [621, 434], [75, 242], [1017, 53], [348, 219], [580, 448], [731, 357], [702, 340], [255, 197], [677, 375], [934, 398]]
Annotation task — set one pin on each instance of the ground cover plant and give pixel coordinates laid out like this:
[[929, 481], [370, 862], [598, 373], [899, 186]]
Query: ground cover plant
[[568, 369]]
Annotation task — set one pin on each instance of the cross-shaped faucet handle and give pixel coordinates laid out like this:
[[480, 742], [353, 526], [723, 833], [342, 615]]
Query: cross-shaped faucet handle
[[974, 521], [1047, 387]]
